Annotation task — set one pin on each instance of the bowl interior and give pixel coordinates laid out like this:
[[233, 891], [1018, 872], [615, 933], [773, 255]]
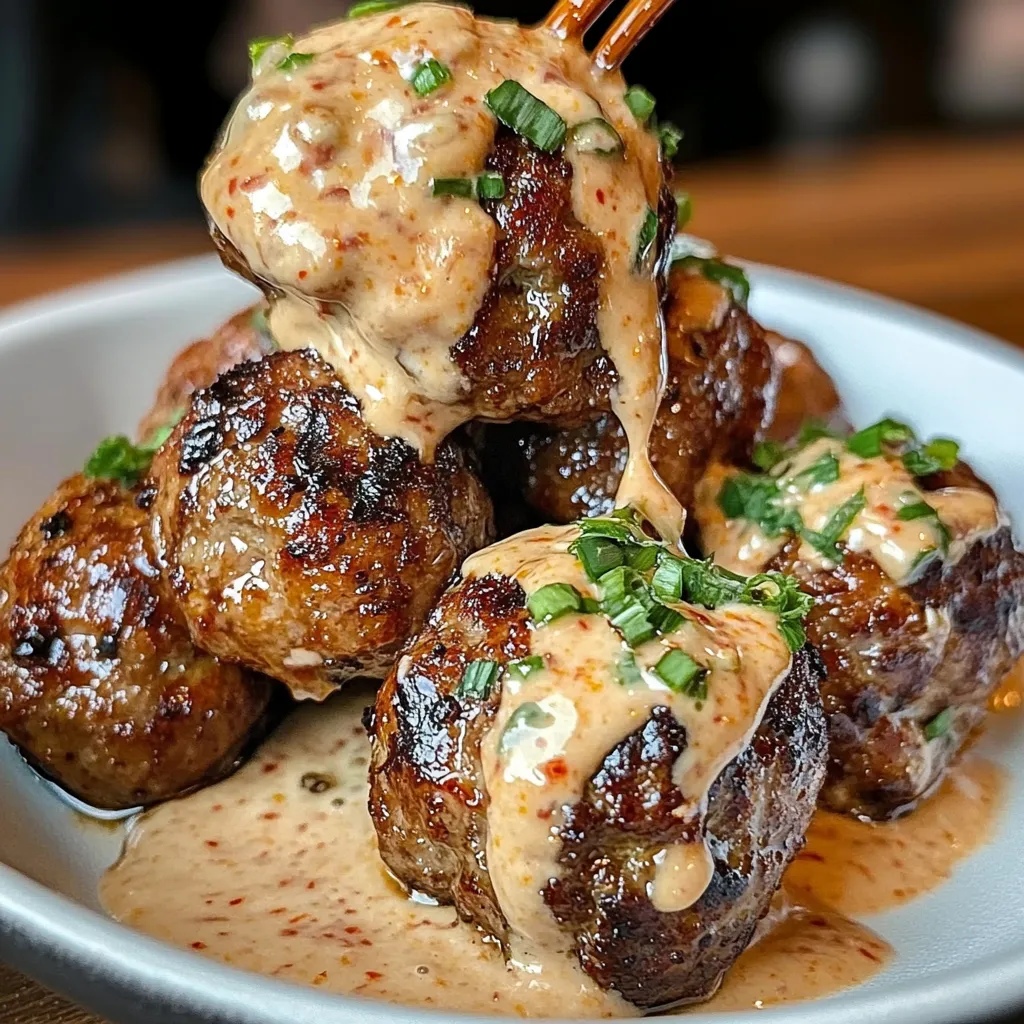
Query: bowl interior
[[80, 366]]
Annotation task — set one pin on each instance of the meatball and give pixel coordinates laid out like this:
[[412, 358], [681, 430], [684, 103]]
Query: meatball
[[718, 394], [100, 685], [805, 392], [242, 338], [910, 661], [300, 543], [430, 805]]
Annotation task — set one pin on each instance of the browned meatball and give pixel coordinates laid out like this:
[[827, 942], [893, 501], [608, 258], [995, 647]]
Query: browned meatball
[[300, 543], [240, 339], [100, 685], [718, 390], [429, 804], [899, 657], [805, 392]]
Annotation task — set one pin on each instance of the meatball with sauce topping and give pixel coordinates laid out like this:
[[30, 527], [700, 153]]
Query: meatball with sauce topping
[[918, 598], [299, 542], [242, 338], [100, 685], [718, 395], [574, 786]]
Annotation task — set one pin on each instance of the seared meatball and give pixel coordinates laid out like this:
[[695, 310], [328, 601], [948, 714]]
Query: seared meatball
[[300, 543], [429, 803], [910, 669], [240, 339], [100, 685], [718, 390], [805, 392]]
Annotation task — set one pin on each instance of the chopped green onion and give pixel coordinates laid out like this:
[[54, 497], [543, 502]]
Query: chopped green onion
[[826, 540], [665, 620], [295, 60], [632, 622], [461, 187], [372, 7], [813, 430], [922, 561], [530, 714], [648, 233], [918, 510], [824, 470], [669, 136], [598, 555], [621, 525], [640, 102], [759, 500], [867, 443], [526, 115], [767, 454], [258, 47], [118, 458], [525, 667], [477, 679], [628, 671], [428, 76], [939, 725], [642, 558], [595, 136], [668, 579], [684, 209], [490, 185], [590, 606], [730, 277], [793, 632], [681, 674], [938, 454], [553, 601]]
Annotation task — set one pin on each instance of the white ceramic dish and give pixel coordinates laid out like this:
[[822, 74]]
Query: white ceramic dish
[[82, 364]]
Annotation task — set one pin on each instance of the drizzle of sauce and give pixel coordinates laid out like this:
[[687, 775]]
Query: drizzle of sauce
[[895, 545], [579, 706], [322, 183]]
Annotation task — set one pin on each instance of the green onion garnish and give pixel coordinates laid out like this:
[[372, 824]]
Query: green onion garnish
[[258, 47], [553, 601], [295, 60], [824, 470], [489, 185], [767, 454], [632, 622], [813, 430], [668, 579], [730, 277], [684, 210], [640, 102], [529, 714], [645, 239], [477, 679], [428, 76], [526, 115], [938, 454], [665, 620], [922, 510], [826, 540], [525, 667], [590, 606], [759, 500], [118, 458], [642, 558], [939, 725], [372, 7], [598, 555], [867, 443], [681, 674], [595, 136], [669, 136], [628, 672]]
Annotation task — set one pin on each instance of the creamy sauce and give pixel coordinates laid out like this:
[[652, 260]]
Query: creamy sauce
[[895, 545], [322, 183], [860, 867], [553, 730]]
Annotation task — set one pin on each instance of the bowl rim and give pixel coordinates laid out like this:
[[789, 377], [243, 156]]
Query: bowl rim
[[46, 933]]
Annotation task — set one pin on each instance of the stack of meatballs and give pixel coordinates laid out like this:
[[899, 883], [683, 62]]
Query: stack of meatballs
[[259, 544]]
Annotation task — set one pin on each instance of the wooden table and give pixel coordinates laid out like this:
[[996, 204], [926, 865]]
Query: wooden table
[[940, 224]]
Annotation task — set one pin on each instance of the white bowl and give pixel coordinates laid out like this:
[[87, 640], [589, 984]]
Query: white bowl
[[84, 363]]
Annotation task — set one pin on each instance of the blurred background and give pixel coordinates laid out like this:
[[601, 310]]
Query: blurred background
[[802, 120]]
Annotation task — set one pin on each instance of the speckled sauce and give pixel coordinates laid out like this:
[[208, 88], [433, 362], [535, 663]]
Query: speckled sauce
[[322, 182], [895, 545]]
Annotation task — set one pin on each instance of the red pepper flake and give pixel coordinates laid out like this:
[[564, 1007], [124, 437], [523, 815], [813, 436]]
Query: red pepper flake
[[317, 86], [232, 186], [871, 956], [303, 274], [544, 813], [353, 929], [230, 211], [373, 975], [212, 844], [199, 945], [217, 807], [393, 21], [288, 932], [236, 901], [297, 918], [270, 766], [365, 942], [555, 769], [279, 910], [253, 181], [320, 978], [311, 885], [600, 196], [270, 816]]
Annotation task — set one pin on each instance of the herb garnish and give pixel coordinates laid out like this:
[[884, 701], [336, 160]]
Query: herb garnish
[[684, 209], [259, 46], [645, 239], [640, 102], [477, 679], [118, 458], [595, 135], [489, 185], [938, 454], [553, 601], [429, 75], [669, 136], [525, 667], [939, 725], [730, 277], [826, 540], [295, 60], [922, 510], [681, 674], [526, 115], [372, 7]]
